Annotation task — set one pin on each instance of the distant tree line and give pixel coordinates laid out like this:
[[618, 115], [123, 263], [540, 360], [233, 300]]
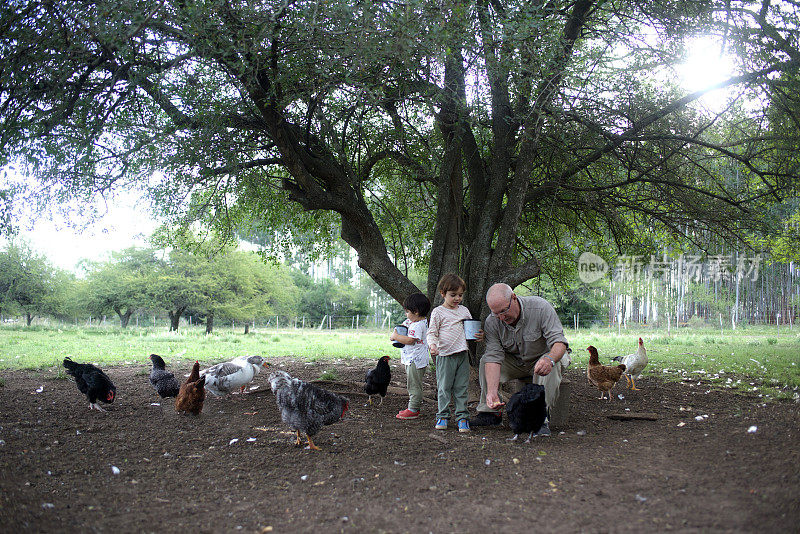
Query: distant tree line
[[204, 285]]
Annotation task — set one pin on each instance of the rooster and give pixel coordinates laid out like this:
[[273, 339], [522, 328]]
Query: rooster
[[92, 382], [526, 411], [634, 364], [602, 376], [164, 382], [377, 379], [306, 407], [192, 393]]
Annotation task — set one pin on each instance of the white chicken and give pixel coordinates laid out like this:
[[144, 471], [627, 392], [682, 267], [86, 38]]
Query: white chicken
[[223, 378], [634, 364]]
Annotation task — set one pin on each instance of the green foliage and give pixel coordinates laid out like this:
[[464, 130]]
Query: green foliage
[[121, 284], [485, 139], [329, 374], [29, 284]]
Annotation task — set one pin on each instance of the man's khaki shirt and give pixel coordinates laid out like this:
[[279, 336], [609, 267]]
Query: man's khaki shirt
[[537, 329]]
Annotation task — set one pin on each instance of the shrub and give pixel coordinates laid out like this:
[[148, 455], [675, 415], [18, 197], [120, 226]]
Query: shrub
[[330, 374]]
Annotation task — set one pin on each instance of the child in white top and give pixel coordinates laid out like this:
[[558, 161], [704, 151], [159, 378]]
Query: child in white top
[[448, 343], [414, 354]]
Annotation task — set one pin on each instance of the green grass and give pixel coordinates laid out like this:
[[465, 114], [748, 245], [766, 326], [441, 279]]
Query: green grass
[[749, 359], [42, 347]]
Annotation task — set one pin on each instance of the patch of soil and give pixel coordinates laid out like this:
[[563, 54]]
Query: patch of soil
[[376, 473]]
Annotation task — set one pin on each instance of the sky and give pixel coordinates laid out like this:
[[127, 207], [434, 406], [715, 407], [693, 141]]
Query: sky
[[123, 226], [120, 223], [126, 221]]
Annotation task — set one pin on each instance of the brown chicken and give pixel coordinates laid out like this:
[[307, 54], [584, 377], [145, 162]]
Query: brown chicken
[[602, 376], [192, 393]]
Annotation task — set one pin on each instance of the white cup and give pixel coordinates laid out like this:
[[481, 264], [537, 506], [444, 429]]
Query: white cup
[[471, 328]]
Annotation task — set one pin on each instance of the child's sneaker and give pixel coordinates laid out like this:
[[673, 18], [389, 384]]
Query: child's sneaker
[[441, 424], [407, 414], [463, 425]]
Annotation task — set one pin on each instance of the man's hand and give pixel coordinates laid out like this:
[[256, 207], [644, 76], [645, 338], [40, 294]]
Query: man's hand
[[492, 372], [543, 366], [546, 363], [479, 335], [493, 400]]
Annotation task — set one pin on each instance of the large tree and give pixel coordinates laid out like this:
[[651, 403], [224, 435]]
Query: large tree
[[120, 283], [28, 282], [482, 137]]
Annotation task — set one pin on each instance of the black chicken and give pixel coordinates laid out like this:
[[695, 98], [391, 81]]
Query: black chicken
[[164, 382], [377, 379], [306, 407], [92, 382], [526, 410]]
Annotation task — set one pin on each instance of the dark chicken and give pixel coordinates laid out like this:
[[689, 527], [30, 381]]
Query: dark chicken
[[306, 407], [192, 393], [526, 411], [164, 382], [378, 379], [92, 382]]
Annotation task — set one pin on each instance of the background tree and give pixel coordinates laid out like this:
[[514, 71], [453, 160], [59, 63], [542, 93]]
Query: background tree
[[120, 284], [479, 137], [28, 282], [176, 286]]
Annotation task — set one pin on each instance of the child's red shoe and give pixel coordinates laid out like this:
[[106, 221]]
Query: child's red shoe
[[407, 414]]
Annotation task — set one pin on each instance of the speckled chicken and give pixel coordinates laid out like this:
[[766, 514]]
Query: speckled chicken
[[306, 407], [164, 382]]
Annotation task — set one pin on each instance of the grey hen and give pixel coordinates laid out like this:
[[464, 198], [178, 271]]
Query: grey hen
[[164, 382], [306, 407]]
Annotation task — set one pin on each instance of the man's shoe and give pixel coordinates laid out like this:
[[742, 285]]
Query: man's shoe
[[486, 419], [407, 414]]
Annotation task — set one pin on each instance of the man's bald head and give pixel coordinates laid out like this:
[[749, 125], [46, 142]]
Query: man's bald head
[[498, 294]]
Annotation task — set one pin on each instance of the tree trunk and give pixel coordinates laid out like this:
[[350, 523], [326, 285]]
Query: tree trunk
[[175, 318], [209, 323], [124, 318], [29, 318], [246, 328]]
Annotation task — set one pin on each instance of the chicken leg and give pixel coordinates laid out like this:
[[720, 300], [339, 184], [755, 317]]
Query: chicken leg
[[633, 387], [299, 441], [311, 445]]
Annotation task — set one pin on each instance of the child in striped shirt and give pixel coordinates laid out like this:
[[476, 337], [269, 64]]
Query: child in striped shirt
[[448, 344]]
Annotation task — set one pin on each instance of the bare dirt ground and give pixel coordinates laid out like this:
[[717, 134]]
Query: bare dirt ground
[[376, 473]]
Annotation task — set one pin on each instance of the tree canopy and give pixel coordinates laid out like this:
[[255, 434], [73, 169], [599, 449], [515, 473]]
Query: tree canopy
[[482, 137]]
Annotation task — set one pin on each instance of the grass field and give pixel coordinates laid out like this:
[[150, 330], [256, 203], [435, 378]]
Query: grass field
[[751, 358]]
